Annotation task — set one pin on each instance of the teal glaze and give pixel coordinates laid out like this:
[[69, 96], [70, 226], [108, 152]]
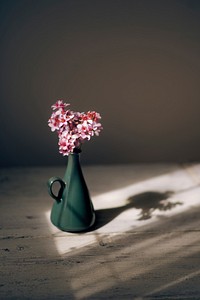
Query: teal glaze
[[73, 209]]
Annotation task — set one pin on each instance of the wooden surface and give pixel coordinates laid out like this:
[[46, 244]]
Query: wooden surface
[[145, 244]]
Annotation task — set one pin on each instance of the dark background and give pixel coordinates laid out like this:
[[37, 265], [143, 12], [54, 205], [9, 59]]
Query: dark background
[[136, 62]]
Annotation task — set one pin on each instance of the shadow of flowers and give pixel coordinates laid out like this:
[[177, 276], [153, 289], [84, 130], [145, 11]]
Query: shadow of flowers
[[146, 202]]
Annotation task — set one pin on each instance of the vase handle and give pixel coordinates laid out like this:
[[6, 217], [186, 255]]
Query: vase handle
[[50, 183]]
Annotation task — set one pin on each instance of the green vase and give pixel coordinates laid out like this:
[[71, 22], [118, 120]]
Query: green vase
[[73, 209]]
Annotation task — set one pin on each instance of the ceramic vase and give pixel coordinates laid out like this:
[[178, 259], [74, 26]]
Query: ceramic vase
[[72, 209]]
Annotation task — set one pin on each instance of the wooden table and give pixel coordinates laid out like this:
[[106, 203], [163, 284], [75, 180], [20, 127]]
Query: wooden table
[[145, 244]]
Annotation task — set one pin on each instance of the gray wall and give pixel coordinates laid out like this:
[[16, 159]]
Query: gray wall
[[136, 62]]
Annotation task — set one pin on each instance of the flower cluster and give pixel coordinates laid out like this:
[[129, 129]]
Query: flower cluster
[[73, 128]]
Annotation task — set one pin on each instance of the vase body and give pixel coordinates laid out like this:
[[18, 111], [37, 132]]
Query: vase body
[[73, 209]]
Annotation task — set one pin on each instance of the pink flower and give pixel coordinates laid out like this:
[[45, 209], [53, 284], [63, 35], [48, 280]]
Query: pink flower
[[66, 146], [59, 104], [54, 122], [73, 128], [93, 115]]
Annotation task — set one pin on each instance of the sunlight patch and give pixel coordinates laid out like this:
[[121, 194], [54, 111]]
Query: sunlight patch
[[133, 206]]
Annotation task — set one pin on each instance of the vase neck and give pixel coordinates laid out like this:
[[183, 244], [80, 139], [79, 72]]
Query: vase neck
[[73, 161], [74, 157], [73, 166]]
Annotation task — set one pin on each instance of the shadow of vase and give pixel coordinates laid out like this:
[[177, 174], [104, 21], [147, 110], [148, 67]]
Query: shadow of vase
[[146, 203]]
